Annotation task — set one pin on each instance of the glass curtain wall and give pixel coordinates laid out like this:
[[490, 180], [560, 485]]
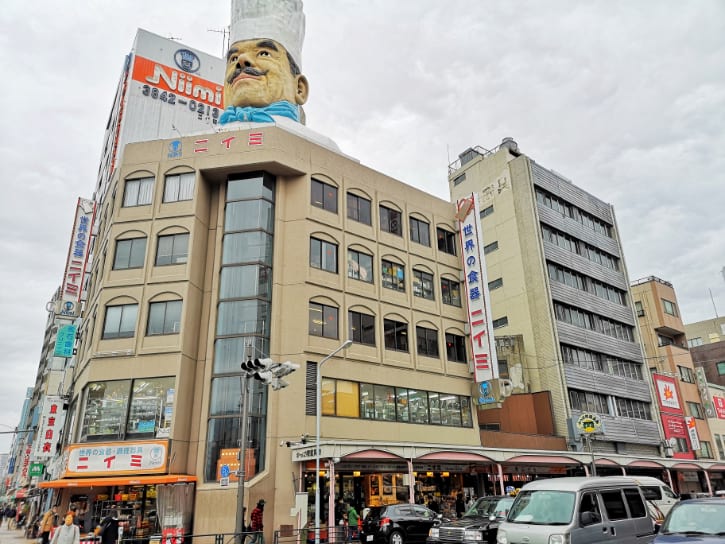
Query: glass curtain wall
[[243, 318]]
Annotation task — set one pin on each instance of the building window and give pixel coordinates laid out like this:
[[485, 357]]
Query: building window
[[488, 248], [451, 292], [720, 448], [635, 409], [427, 341], [164, 318], [686, 374], [586, 401], [120, 321], [694, 342], [495, 284], [695, 409], [446, 241], [503, 369], [669, 307], [486, 211], [172, 249], [129, 254], [419, 232], [681, 445], [422, 284], [396, 335], [390, 221], [323, 320], [362, 328], [705, 450], [324, 196], [638, 307], [456, 348], [126, 409], [358, 209], [359, 266], [721, 368], [393, 276], [500, 322], [179, 187], [323, 255], [138, 192]]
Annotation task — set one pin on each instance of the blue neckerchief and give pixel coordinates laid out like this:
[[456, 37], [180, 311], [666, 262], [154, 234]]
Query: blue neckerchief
[[283, 108]]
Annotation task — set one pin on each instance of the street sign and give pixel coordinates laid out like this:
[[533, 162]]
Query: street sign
[[224, 471], [224, 481], [589, 423]]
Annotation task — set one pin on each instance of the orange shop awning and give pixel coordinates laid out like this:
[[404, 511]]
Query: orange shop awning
[[119, 480]]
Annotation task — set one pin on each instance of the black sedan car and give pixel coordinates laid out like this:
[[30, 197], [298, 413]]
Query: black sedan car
[[479, 524], [398, 524]]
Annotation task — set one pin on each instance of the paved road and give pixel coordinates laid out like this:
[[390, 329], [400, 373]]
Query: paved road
[[16, 536]]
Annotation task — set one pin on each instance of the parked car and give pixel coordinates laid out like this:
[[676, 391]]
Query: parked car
[[398, 524], [694, 520], [658, 492], [578, 510], [478, 524]]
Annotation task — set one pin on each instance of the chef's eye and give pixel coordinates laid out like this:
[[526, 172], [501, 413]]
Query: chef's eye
[[264, 53], [233, 58]]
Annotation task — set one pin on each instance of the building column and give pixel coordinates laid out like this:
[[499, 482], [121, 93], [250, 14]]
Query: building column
[[411, 482], [331, 527], [669, 478], [707, 481], [500, 478]]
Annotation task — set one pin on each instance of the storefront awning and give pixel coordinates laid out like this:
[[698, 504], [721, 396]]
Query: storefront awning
[[451, 456], [119, 480], [716, 467], [541, 460], [687, 466], [645, 464]]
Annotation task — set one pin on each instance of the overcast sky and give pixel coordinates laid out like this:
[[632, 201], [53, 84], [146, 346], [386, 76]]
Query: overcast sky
[[626, 99]]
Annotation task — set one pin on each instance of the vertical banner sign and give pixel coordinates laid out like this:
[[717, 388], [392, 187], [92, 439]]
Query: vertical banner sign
[[64, 341], [667, 394], [485, 363], [692, 431], [52, 419], [75, 267], [719, 403]]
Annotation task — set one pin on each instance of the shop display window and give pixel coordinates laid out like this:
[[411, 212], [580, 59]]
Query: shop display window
[[121, 409]]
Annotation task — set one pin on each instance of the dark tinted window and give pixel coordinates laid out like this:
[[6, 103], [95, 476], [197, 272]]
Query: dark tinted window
[[404, 511], [614, 505], [637, 509], [651, 492]]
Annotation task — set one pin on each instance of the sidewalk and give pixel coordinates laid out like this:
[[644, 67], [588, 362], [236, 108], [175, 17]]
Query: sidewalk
[[15, 536]]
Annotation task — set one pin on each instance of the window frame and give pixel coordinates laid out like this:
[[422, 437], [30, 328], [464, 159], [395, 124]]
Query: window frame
[[389, 219], [356, 209], [446, 241], [420, 277], [325, 311], [325, 201], [419, 231], [354, 256], [427, 342], [448, 287], [174, 258], [669, 307], [130, 265], [121, 333], [176, 307], [391, 280], [182, 180], [322, 248], [398, 332], [455, 346], [361, 334], [137, 184]]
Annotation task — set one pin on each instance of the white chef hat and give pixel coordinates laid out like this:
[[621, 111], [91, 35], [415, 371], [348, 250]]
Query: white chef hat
[[280, 20]]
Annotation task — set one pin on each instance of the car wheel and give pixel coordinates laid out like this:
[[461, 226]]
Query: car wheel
[[396, 538]]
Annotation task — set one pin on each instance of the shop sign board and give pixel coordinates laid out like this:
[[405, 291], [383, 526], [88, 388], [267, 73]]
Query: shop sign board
[[478, 299], [75, 267], [589, 423], [52, 419], [117, 458], [64, 341], [667, 395], [719, 403], [36, 469], [692, 432]]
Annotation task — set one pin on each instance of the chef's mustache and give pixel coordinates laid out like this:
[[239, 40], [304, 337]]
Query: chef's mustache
[[246, 70]]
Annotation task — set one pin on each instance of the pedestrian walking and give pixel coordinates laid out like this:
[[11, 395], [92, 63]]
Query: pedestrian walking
[[68, 533], [47, 523], [460, 505], [257, 523], [352, 522]]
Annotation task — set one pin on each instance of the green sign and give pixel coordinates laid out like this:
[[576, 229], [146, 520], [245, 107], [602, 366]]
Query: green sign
[[36, 469], [64, 341]]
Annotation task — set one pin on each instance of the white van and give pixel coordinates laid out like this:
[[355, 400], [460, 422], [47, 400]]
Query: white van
[[658, 492], [578, 510]]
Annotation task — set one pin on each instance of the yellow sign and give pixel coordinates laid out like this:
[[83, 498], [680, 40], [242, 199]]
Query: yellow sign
[[589, 423]]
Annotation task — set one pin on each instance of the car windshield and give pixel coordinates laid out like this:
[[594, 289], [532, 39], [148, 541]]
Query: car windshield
[[543, 507], [696, 517], [486, 506]]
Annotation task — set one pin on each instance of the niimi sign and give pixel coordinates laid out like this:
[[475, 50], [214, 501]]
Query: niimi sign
[[115, 458], [485, 362], [78, 251]]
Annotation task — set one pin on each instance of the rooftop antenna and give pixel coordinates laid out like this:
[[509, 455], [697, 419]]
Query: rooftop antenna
[[713, 304], [224, 32]]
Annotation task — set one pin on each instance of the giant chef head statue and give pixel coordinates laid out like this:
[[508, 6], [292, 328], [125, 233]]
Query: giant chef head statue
[[263, 77]]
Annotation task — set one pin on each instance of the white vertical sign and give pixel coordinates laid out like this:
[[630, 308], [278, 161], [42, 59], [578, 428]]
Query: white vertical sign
[[51, 424], [485, 363], [692, 431]]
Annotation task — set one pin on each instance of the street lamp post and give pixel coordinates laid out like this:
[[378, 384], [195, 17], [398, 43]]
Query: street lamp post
[[318, 413]]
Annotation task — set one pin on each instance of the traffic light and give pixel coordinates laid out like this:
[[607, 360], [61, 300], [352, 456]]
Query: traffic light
[[280, 370], [258, 368]]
